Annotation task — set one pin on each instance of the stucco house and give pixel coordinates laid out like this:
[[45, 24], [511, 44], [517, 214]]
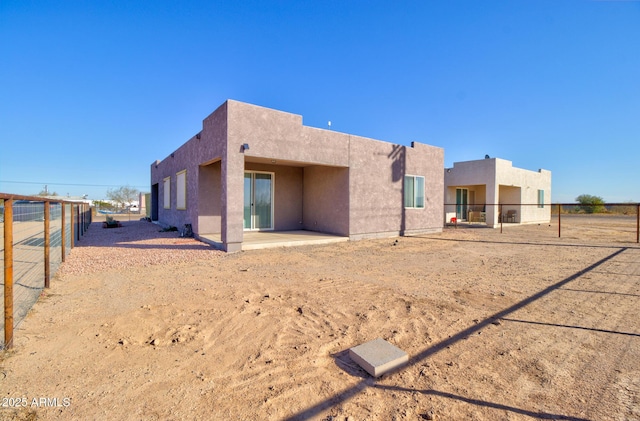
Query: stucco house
[[492, 190], [254, 168]]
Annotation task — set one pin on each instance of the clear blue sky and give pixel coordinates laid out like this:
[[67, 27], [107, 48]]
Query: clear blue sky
[[93, 92]]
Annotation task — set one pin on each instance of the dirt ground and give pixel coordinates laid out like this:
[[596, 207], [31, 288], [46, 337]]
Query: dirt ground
[[499, 326]]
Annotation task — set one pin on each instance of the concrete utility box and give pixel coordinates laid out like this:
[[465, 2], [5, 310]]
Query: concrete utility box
[[378, 356]]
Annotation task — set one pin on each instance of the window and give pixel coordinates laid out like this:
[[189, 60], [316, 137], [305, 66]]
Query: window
[[181, 190], [167, 193], [541, 198], [413, 191]]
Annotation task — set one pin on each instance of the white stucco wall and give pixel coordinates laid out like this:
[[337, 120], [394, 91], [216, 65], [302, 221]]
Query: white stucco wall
[[529, 182], [514, 188]]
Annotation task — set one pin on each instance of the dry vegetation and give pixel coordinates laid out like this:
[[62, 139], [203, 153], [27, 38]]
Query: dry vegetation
[[518, 325]]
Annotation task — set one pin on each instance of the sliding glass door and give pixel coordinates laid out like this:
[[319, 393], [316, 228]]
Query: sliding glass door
[[258, 201], [461, 204]]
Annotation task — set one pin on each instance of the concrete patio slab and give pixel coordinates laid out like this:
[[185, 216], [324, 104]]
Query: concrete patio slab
[[254, 240], [378, 356]]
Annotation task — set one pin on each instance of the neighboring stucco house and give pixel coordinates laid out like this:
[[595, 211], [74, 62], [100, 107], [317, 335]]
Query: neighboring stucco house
[[254, 168], [491, 189]]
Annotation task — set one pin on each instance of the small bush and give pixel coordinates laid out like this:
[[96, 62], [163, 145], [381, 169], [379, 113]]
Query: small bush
[[591, 204]]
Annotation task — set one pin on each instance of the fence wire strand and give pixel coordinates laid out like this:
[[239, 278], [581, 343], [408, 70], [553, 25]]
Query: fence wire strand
[[28, 228], [55, 227], [28, 257]]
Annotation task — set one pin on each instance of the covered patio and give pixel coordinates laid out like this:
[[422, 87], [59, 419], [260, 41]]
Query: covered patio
[[466, 203], [254, 240], [492, 191]]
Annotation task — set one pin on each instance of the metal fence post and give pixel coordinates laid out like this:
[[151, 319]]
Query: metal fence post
[[8, 273], [559, 220], [47, 243], [638, 224], [63, 230]]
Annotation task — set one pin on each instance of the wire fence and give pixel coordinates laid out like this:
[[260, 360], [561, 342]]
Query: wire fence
[[611, 220], [36, 235]]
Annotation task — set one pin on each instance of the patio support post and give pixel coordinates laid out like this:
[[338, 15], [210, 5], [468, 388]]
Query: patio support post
[[232, 202]]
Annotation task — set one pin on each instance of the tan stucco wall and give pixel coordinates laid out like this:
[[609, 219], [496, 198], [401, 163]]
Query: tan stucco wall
[[169, 168], [376, 180], [428, 161], [273, 134], [324, 180], [376, 175], [326, 199]]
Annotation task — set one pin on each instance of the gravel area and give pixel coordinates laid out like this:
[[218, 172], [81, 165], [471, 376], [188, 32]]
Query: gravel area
[[136, 243]]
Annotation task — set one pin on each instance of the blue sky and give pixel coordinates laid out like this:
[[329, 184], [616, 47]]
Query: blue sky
[[93, 92]]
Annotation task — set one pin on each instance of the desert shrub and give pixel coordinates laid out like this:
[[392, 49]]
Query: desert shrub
[[591, 204]]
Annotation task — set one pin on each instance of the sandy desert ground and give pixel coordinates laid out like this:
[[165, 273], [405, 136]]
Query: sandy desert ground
[[516, 325]]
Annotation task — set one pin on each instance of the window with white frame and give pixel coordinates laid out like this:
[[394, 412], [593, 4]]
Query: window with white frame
[[413, 191], [541, 198], [167, 193], [181, 190]]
